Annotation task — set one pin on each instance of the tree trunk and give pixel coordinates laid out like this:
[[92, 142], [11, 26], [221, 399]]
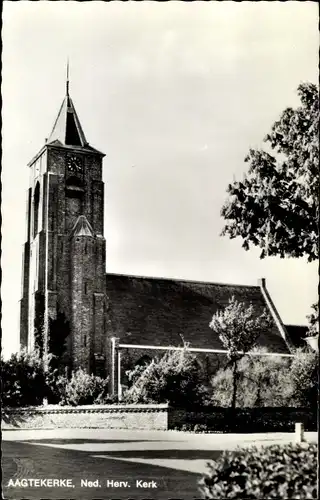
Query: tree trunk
[[234, 385], [258, 399]]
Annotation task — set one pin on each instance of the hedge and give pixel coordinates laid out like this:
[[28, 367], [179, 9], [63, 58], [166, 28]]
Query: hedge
[[287, 471], [242, 420]]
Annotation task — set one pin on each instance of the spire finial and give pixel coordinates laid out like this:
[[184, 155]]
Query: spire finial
[[67, 82]]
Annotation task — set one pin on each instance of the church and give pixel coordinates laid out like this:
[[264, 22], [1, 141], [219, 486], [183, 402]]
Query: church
[[114, 321]]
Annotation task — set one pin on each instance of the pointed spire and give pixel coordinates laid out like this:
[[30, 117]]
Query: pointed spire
[[67, 81], [67, 128]]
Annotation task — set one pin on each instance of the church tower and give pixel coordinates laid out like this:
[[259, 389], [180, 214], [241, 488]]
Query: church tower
[[64, 254]]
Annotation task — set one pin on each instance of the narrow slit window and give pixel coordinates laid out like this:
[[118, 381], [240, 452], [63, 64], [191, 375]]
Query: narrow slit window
[[36, 200]]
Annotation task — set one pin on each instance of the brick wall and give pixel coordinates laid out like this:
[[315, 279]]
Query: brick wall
[[144, 417], [158, 417]]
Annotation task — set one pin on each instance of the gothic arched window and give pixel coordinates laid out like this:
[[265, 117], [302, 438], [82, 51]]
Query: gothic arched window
[[36, 199]]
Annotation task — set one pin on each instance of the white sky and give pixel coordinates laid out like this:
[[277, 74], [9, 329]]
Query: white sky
[[174, 93]]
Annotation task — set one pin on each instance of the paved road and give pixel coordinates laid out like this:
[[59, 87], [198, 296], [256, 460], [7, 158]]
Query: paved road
[[171, 461]]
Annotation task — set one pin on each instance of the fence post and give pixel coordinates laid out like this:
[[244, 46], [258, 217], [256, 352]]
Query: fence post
[[119, 376], [299, 432], [114, 353]]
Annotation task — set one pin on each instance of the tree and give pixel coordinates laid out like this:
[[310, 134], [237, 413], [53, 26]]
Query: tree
[[276, 205], [260, 381], [176, 378], [238, 328], [23, 380], [313, 320], [304, 379]]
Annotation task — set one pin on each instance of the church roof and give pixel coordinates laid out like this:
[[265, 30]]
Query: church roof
[[82, 227], [157, 311], [297, 333], [87, 148]]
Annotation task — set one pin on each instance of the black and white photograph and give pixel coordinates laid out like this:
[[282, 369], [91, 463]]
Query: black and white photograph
[[160, 250]]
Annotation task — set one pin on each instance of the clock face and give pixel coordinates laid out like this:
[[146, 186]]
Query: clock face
[[74, 164]]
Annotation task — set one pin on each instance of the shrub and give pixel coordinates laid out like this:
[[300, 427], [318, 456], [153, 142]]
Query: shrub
[[176, 378], [313, 320], [82, 389], [23, 380], [298, 384], [260, 382], [303, 378], [270, 381], [200, 428], [186, 428], [57, 385], [134, 374], [276, 471]]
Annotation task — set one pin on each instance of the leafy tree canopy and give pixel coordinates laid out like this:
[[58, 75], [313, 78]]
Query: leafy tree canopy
[[238, 327], [276, 205], [176, 378], [304, 378], [270, 381], [313, 320], [260, 382], [23, 380]]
